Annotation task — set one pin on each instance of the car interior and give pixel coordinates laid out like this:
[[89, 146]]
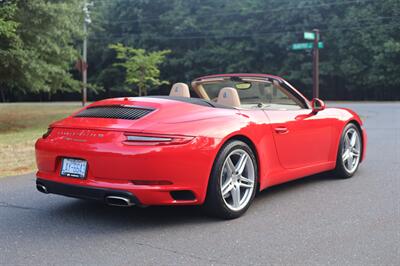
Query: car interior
[[180, 90], [240, 93]]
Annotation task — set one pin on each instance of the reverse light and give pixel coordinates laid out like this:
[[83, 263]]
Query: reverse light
[[141, 139], [45, 135]]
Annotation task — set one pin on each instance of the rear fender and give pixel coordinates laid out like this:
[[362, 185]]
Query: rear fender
[[259, 138]]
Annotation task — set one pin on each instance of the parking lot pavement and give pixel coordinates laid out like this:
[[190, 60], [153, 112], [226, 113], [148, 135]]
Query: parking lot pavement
[[313, 221]]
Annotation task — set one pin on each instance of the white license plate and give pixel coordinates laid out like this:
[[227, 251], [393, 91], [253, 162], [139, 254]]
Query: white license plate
[[73, 168]]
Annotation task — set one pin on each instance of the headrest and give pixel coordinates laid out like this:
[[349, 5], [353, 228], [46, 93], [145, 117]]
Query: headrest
[[180, 89], [229, 96]]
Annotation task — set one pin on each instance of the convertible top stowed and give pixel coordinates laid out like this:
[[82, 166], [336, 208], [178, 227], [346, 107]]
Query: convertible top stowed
[[197, 101]]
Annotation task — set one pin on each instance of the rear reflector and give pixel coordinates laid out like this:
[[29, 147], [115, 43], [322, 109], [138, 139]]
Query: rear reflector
[[151, 182]]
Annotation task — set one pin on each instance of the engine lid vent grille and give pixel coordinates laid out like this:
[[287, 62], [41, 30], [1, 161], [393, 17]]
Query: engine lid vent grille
[[115, 112]]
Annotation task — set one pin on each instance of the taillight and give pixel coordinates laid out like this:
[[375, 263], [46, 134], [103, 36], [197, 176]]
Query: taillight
[[45, 135], [144, 139]]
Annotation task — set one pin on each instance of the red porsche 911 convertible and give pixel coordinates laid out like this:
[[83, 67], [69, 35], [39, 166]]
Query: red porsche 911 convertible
[[241, 134]]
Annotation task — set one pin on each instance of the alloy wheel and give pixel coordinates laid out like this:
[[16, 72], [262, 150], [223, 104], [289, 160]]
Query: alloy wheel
[[237, 179], [351, 150]]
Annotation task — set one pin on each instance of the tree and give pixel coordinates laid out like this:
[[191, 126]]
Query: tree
[[359, 60], [141, 66], [9, 40], [37, 45], [38, 40], [7, 26]]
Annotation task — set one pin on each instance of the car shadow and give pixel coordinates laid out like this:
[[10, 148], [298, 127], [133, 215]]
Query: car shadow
[[159, 216], [296, 184]]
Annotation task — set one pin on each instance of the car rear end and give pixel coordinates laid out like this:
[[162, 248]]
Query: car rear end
[[115, 151]]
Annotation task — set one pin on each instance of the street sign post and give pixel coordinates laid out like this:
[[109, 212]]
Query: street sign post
[[316, 64], [315, 46]]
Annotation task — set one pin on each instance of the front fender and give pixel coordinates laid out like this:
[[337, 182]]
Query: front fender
[[349, 116]]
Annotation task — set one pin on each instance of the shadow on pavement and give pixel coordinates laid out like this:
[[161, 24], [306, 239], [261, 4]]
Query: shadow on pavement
[[296, 184], [102, 215]]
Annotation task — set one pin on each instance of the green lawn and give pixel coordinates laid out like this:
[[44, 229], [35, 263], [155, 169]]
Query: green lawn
[[20, 125]]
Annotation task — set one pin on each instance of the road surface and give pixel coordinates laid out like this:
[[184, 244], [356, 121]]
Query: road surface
[[314, 221]]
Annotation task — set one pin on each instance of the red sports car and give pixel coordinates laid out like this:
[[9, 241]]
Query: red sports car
[[239, 134]]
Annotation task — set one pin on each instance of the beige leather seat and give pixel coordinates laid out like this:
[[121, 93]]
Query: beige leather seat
[[229, 96], [180, 90]]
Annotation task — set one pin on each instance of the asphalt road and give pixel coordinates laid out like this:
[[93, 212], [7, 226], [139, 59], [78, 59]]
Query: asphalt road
[[314, 221]]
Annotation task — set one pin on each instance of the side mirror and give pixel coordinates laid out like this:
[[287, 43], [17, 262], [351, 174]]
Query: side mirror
[[317, 105]]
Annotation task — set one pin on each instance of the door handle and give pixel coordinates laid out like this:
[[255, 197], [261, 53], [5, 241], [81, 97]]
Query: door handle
[[281, 130]]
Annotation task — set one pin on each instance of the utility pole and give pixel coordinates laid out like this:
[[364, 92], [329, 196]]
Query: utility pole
[[84, 64], [316, 64]]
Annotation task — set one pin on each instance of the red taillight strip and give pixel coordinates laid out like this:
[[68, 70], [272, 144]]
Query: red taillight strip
[[145, 138], [150, 139]]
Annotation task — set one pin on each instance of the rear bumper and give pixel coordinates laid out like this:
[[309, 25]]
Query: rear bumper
[[142, 195], [84, 192], [112, 165]]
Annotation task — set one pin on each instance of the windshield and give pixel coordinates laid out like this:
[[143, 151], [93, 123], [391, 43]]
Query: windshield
[[252, 93]]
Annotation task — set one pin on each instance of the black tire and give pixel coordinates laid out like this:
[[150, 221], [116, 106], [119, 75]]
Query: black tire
[[340, 171], [214, 204]]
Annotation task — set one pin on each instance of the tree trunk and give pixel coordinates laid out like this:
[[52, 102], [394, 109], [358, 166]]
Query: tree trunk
[[3, 97]]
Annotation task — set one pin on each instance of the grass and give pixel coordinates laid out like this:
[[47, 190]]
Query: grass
[[21, 124]]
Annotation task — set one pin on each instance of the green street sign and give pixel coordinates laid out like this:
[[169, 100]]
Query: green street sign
[[306, 45], [302, 46], [309, 35]]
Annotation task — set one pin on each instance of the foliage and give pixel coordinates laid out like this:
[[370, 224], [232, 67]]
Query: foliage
[[141, 66], [39, 41], [7, 26], [359, 60], [37, 45]]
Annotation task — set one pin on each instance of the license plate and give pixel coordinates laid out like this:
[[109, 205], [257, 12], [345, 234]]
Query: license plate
[[73, 168]]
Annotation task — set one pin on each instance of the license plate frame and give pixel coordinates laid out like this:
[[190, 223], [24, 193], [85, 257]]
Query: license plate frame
[[73, 167]]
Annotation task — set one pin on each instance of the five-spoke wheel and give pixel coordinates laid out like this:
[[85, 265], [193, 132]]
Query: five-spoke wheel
[[237, 179], [351, 150], [349, 153], [233, 181]]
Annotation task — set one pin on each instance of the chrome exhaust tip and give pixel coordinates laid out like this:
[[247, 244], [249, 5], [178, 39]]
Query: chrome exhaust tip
[[118, 201], [42, 188]]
